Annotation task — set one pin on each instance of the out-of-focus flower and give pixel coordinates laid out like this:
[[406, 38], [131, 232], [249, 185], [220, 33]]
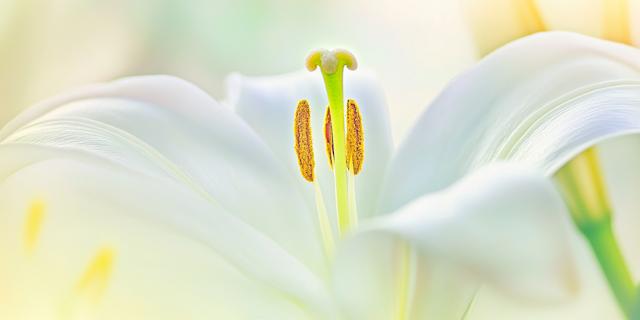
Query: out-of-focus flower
[[144, 198], [541, 101], [497, 22], [50, 46]]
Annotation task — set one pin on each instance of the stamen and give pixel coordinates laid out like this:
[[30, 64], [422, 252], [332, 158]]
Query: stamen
[[616, 21], [328, 137], [304, 141], [331, 63], [355, 137], [304, 150], [35, 216], [355, 156]]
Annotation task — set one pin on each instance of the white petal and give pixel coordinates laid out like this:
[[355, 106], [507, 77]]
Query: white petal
[[569, 88], [268, 104], [176, 254], [505, 224], [368, 275], [168, 127]]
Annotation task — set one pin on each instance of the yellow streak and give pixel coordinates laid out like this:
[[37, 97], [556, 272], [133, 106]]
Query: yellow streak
[[94, 281], [497, 22], [304, 140], [530, 17], [355, 137], [616, 21], [35, 216], [83, 300]]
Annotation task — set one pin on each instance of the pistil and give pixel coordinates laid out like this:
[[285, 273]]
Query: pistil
[[332, 64]]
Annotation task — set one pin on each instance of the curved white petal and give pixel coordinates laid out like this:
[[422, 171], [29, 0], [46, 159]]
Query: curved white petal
[[540, 100], [369, 280], [170, 128], [176, 255], [268, 104], [505, 224]]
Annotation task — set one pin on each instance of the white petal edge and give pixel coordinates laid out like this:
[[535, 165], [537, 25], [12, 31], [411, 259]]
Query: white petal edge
[[487, 110], [165, 125], [505, 224], [133, 196]]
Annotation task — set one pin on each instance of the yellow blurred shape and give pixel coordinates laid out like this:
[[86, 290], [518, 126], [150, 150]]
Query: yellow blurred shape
[[616, 21], [497, 22], [35, 215], [94, 281]]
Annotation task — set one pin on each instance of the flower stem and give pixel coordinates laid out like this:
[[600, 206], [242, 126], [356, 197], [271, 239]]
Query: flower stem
[[606, 248], [333, 83], [583, 188]]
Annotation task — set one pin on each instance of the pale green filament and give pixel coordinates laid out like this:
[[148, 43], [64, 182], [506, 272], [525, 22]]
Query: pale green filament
[[583, 189], [332, 65], [467, 312], [353, 208], [325, 227], [404, 278]]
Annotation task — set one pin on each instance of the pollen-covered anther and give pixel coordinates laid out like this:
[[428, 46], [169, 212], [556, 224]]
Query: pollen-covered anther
[[355, 137], [304, 141], [329, 61], [328, 137]]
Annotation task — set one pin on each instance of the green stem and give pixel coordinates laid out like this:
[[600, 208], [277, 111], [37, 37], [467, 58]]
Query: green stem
[[333, 82], [613, 265]]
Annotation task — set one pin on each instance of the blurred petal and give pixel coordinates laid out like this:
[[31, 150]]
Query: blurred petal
[[43, 50], [176, 255], [497, 22], [505, 224], [170, 128], [268, 105], [545, 86]]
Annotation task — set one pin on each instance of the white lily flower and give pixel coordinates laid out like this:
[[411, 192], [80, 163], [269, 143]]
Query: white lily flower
[[541, 100], [145, 198]]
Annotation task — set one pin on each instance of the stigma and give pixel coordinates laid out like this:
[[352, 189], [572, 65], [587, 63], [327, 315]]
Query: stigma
[[330, 61]]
